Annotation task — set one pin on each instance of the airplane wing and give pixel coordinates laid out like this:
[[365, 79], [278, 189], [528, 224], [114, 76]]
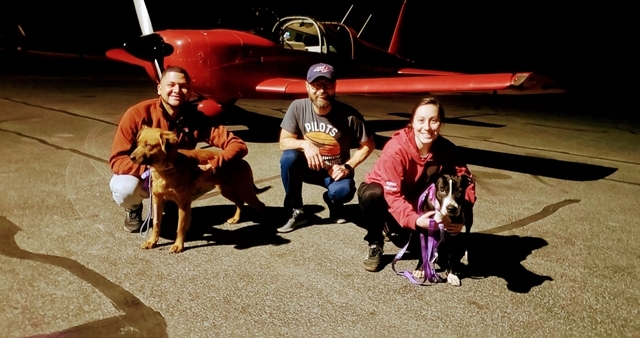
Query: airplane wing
[[427, 81], [122, 55]]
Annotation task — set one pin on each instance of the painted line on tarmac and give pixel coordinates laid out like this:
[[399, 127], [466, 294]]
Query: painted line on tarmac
[[58, 111], [75, 151], [138, 317], [544, 213]]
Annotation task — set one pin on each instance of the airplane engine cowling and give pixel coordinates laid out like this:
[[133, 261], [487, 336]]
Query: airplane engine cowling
[[210, 108]]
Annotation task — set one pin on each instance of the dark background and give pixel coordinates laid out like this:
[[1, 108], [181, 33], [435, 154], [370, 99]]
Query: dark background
[[589, 49]]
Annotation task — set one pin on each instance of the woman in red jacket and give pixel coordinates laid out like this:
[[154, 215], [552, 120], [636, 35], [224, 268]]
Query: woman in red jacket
[[391, 189]]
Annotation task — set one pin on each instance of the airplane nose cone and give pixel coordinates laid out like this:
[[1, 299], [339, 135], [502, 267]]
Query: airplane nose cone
[[149, 47]]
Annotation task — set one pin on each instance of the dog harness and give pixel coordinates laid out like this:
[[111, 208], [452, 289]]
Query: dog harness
[[428, 243]]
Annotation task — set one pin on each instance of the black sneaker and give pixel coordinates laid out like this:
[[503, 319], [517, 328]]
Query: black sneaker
[[374, 256], [297, 219], [335, 210], [133, 220]]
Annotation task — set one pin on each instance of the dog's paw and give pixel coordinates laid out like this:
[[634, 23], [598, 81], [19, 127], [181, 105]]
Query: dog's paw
[[453, 279], [148, 245], [176, 248]]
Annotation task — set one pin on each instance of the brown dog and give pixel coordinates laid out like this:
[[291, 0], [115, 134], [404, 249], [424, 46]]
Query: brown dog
[[176, 176]]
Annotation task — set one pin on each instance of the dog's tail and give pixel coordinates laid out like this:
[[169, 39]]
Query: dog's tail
[[260, 190]]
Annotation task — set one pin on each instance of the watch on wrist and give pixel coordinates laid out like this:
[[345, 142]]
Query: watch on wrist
[[348, 167]]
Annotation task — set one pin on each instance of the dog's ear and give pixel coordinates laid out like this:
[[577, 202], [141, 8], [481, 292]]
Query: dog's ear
[[465, 181], [142, 128], [433, 178], [168, 140]]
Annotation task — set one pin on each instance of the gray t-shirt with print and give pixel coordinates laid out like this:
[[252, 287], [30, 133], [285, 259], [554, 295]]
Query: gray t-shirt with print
[[334, 133]]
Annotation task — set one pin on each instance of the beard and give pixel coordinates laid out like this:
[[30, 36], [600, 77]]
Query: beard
[[321, 102]]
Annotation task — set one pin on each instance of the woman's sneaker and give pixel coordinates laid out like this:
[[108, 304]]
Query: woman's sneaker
[[374, 257]]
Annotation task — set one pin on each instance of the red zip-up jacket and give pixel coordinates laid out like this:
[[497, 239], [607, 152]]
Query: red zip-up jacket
[[192, 127], [401, 172]]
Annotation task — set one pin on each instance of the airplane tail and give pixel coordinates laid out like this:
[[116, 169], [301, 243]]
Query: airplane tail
[[395, 46]]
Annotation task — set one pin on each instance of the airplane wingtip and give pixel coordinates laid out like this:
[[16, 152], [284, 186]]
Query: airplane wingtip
[[534, 82]]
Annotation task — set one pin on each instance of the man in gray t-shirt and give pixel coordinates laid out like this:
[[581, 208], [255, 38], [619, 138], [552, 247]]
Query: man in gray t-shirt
[[316, 138]]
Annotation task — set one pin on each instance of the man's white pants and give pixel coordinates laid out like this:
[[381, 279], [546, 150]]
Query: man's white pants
[[128, 191]]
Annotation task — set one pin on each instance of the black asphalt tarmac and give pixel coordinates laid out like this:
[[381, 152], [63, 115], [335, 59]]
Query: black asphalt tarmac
[[554, 251]]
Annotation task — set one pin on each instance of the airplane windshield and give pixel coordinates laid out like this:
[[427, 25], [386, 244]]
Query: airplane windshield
[[300, 33], [306, 34]]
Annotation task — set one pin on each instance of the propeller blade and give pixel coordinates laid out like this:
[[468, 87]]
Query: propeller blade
[[143, 17]]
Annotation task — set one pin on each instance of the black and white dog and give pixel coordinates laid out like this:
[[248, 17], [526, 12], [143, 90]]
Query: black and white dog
[[449, 199]]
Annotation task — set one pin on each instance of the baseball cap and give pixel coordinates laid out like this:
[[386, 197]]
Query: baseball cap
[[320, 69]]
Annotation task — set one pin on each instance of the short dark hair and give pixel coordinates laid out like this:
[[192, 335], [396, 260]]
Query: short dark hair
[[425, 101], [177, 69]]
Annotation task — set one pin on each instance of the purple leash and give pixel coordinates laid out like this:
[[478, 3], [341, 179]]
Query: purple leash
[[429, 245], [146, 186]]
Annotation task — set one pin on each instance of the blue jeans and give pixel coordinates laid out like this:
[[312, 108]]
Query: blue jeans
[[295, 170]]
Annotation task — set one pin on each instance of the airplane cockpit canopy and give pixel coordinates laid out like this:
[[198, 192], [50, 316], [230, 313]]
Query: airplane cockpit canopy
[[307, 34]]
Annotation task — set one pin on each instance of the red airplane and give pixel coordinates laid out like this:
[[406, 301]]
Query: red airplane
[[227, 65]]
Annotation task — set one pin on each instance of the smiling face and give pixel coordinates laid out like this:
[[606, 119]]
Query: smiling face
[[321, 91], [426, 125], [174, 89]]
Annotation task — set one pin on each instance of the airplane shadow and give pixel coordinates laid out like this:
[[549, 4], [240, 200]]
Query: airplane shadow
[[266, 129]]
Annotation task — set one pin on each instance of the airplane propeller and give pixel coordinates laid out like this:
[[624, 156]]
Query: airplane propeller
[[143, 17], [150, 46]]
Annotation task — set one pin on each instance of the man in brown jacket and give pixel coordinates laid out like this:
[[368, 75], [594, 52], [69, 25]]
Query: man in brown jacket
[[170, 111]]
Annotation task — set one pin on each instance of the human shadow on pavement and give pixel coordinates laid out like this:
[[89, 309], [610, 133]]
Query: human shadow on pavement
[[488, 254], [137, 318], [502, 256]]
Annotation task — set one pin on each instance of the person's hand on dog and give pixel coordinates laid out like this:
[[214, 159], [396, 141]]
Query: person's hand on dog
[[449, 227], [453, 228], [312, 153], [424, 220], [208, 166], [337, 172]]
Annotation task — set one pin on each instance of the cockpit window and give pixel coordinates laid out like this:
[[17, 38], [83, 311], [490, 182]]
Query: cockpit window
[[304, 33], [300, 33]]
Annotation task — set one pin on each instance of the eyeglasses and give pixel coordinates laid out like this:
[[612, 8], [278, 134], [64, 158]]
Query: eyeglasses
[[322, 85]]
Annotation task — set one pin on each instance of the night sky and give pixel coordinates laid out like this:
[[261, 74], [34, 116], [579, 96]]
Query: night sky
[[587, 48]]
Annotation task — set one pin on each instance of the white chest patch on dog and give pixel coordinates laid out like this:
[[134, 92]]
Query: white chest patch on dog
[[449, 201]]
